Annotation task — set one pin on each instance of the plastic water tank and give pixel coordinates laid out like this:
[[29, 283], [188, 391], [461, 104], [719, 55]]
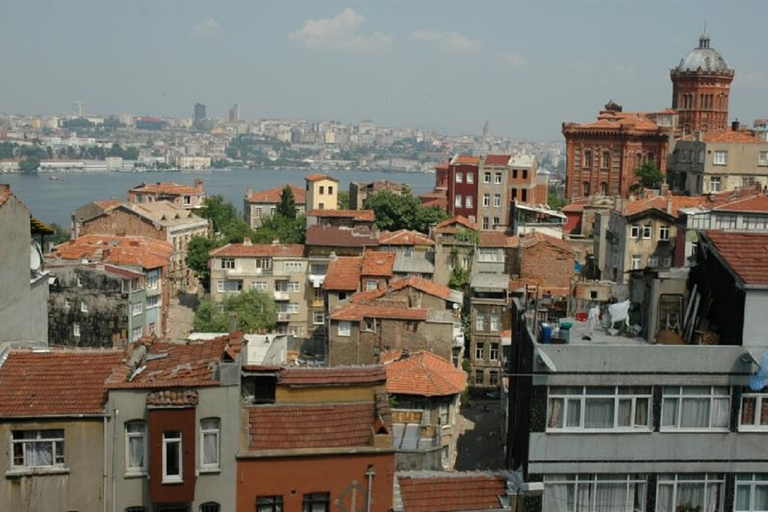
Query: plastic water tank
[[546, 332]]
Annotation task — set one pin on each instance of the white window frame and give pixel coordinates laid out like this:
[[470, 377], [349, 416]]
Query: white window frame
[[497, 200], [457, 201], [210, 427], [167, 441], [496, 221], [636, 485], [497, 178], [258, 285], [647, 231], [653, 261], [760, 402], [715, 184], [636, 262], [83, 306], [495, 322], [264, 263], [223, 285], [487, 177], [707, 479], [345, 328], [371, 285], [564, 400], [137, 308], [752, 481], [22, 440], [141, 436], [720, 157], [486, 199], [664, 233], [468, 202], [634, 231], [480, 323], [294, 287], [293, 267], [480, 351], [493, 352], [762, 158], [152, 280], [227, 263], [281, 286], [459, 177], [486, 223], [470, 177], [293, 308], [76, 329], [678, 393], [666, 262], [318, 314], [136, 333], [153, 301]]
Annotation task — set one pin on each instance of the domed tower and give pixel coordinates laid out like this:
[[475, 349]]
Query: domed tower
[[701, 84]]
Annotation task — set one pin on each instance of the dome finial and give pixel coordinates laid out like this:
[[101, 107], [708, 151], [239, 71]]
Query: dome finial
[[704, 38]]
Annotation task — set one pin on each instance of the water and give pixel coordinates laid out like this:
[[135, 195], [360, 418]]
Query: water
[[54, 200]]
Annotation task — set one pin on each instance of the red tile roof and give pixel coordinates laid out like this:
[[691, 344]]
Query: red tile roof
[[359, 215], [730, 136], [333, 376], [344, 274], [449, 225], [56, 382], [119, 250], [259, 250], [107, 204], [378, 263], [368, 296], [293, 426], [755, 204], [451, 492], [665, 204], [168, 188], [532, 239], [496, 239], [356, 312], [497, 159], [340, 237], [404, 237], [423, 285], [424, 374], [318, 177], [173, 398], [272, 195], [745, 253], [178, 365], [465, 160]]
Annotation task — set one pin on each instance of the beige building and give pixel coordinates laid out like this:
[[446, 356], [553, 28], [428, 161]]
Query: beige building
[[277, 269], [455, 243], [493, 192], [718, 162], [257, 205], [322, 192]]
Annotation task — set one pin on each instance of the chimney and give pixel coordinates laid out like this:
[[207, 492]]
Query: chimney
[[669, 205], [735, 125], [232, 323], [249, 192], [275, 242], [198, 183], [247, 241]]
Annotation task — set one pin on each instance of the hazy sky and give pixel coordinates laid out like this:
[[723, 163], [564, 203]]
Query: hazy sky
[[525, 66]]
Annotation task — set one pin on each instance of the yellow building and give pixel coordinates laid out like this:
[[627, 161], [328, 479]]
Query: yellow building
[[322, 192]]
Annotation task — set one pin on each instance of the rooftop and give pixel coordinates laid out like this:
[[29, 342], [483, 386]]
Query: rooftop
[[430, 491], [356, 312], [344, 273], [169, 188], [404, 237], [426, 374], [340, 237], [745, 254], [119, 250], [272, 195], [497, 159], [452, 224], [358, 215], [248, 250], [429, 287], [378, 263], [318, 177], [164, 213], [333, 376]]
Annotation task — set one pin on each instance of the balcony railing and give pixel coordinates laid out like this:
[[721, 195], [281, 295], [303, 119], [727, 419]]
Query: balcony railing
[[282, 296], [283, 317], [317, 303]]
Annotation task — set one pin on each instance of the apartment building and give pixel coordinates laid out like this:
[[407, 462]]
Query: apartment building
[[359, 192], [322, 192], [184, 196], [493, 192], [462, 186], [257, 205], [455, 243], [279, 270], [415, 252]]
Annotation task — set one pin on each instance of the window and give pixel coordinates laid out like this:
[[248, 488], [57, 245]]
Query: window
[[269, 504], [67, 304], [664, 233], [136, 333], [479, 377], [257, 212], [330, 189], [210, 507], [721, 158], [751, 492], [496, 200], [480, 323], [690, 491], [76, 330], [486, 199], [152, 280], [264, 263], [468, 202], [230, 285], [445, 414], [321, 206], [514, 193], [496, 221], [371, 285], [292, 267], [318, 269], [209, 443], [479, 351], [345, 328], [497, 178], [317, 502], [578, 493], [136, 509], [762, 158], [647, 231], [606, 160], [470, 177], [695, 407], [38, 448], [637, 262], [588, 159], [294, 287], [725, 222], [487, 177], [524, 195], [153, 301], [459, 177], [748, 182], [667, 261], [457, 201], [494, 352], [83, 306], [369, 324], [136, 447], [259, 285], [495, 322], [493, 378], [634, 231], [322, 190], [754, 222], [490, 255], [486, 224], [293, 308], [228, 263], [715, 184], [653, 261], [525, 174], [599, 407], [318, 317], [172, 456], [754, 411], [137, 308], [281, 286]]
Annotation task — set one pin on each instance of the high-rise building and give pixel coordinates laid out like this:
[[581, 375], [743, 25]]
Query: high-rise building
[[199, 112], [701, 84]]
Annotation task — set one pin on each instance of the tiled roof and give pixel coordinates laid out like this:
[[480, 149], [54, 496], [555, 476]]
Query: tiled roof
[[427, 491], [318, 177], [757, 203], [367, 296], [119, 250], [441, 202], [496, 239], [272, 195], [168, 188], [359, 215], [404, 237], [107, 204], [442, 166], [179, 365], [173, 398], [340, 236], [259, 250], [465, 160], [745, 253], [344, 274], [378, 263], [303, 426], [449, 225], [426, 286], [532, 239], [333, 376], [56, 382], [356, 312], [497, 159], [164, 213], [663, 204], [730, 136], [425, 374]]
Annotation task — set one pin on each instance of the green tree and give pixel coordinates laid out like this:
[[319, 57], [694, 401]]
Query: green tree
[[429, 216], [220, 212], [553, 198], [343, 199], [650, 176], [29, 165], [198, 255], [277, 227], [459, 278], [254, 309], [287, 205], [7, 150]]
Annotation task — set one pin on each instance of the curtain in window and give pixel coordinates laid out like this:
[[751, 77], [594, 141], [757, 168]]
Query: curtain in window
[[555, 413], [598, 413], [210, 451], [694, 413], [610, 497], [742, 498], [664, 499], [559, 498], [721, 409], [136, 452], [691, 494], [39, 453], [714, 492]]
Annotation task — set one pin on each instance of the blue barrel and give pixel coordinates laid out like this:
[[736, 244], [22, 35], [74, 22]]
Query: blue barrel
[[546, 332]]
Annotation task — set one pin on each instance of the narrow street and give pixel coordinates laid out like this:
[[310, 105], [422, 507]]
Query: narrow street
[[480, 446]]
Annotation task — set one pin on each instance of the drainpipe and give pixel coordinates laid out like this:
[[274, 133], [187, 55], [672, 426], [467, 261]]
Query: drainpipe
[[104, 473], [370, 473], [115, 413]]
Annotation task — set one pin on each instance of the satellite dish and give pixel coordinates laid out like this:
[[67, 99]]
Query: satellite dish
[[758, 381], [546, 361], [35, 257]]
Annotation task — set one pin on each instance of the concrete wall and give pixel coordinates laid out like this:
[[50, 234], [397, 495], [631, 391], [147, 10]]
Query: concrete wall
[[23, 301], [78, 486], [755, 308]]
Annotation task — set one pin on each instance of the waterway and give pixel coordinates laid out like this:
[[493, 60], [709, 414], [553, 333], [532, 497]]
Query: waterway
[[53, 200]]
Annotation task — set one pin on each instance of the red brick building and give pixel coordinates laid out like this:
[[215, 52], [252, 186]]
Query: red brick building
[[462, 186], [602, 157], [701, 84]]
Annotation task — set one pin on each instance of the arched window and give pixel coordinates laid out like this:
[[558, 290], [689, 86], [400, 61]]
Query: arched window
[[606, 160], [588, 159]]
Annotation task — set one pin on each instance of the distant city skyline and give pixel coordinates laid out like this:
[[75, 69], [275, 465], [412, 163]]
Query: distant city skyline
[[525, 68]]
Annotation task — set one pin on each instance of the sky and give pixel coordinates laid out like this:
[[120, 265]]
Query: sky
[[523, 66]]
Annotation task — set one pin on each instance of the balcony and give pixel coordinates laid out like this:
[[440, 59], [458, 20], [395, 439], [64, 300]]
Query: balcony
[[317, 303], [283, 317], [282, 296]]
